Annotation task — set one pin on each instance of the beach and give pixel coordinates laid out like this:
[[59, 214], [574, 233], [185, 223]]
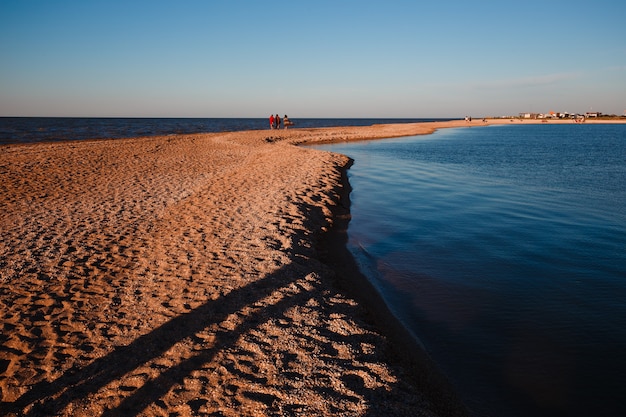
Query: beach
[[197, 275]]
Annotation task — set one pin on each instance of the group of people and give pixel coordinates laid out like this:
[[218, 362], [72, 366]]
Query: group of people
[[275, 121]]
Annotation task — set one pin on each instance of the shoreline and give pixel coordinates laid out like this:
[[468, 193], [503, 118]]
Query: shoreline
[[406, 348], [187, 274], [179, 274]]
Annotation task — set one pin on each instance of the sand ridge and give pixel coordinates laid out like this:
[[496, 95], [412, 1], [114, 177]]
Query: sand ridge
[[179, 275]]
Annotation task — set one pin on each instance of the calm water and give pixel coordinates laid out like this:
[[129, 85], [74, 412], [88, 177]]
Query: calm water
[[504, 249], [47, 129]]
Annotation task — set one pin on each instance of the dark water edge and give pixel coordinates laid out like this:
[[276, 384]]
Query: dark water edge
[[405, 346], [53, 129]]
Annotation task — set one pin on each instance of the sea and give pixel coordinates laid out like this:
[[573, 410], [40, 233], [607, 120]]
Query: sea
[[503, 249], [52, 129]]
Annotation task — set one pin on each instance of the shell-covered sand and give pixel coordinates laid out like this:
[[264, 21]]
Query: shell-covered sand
[[185, 275]]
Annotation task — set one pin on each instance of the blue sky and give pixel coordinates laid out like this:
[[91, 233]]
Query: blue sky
[[235, 58]]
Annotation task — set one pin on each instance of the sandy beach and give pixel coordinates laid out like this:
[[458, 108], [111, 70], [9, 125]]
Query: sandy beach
[[196, 275]]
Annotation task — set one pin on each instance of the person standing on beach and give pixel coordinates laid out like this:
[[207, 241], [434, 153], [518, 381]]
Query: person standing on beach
[[271, 121], [277, 121]]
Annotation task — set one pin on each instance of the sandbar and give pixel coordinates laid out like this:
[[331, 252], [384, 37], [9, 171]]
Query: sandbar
[[195, 275]]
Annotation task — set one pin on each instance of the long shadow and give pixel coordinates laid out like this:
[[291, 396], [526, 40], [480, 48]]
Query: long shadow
[[156, 388], [79, 383]]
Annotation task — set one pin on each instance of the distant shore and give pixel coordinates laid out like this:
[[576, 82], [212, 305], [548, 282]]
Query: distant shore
[[196, 274]]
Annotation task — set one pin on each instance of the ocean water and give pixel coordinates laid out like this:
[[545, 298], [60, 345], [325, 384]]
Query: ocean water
[[503, 248], [49, 129]]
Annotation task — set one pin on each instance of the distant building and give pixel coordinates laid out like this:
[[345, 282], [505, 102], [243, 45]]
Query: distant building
[[593, 114]]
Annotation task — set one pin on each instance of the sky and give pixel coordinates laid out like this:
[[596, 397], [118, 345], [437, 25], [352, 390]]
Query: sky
[[237, 58]]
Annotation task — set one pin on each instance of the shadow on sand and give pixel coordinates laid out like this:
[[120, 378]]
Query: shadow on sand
[[295, 284]]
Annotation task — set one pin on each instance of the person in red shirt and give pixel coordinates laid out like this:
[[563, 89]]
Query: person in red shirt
[[271, 121]]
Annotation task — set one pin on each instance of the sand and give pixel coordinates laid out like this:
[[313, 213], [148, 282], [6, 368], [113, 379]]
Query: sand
[[195, 275]]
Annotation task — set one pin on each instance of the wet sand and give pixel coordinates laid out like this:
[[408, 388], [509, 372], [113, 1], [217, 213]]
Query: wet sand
[[196, 275]]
